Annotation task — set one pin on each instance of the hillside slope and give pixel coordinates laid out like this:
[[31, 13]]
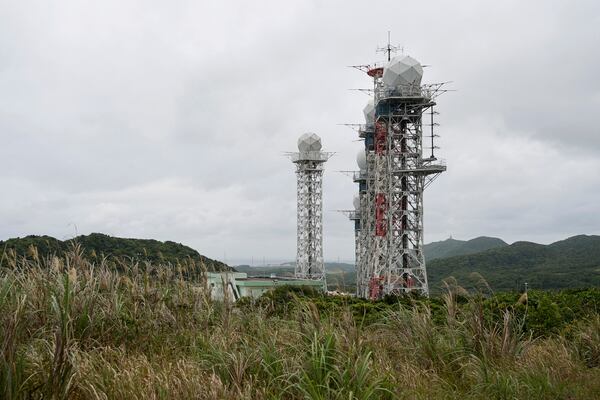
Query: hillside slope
[[570, 263], [574, 262], [452, 247], [100, 245]]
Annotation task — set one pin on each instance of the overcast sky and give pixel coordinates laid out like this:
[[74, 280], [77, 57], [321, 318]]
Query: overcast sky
[[168, 119]]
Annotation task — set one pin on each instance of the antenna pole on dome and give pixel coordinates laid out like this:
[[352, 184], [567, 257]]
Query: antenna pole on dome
[[389, 49]]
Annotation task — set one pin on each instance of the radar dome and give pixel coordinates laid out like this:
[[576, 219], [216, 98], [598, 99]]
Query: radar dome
[[369, 112], [361, 160], [402, 71], [356, 202], [309, 142]]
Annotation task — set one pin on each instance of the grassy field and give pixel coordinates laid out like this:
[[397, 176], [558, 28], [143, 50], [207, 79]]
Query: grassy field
[[72, 329]]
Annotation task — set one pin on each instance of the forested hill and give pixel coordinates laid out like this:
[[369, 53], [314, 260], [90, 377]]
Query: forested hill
[[574, 262], [99, 245], [452, 247]]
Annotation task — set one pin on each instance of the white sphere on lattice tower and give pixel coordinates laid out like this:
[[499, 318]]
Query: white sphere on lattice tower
[[402, 71], [356, 202], [309, 142], [361, 160], [369, 112]]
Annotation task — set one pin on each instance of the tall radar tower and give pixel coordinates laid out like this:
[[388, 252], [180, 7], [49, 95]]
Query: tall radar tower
[[393, 175], [309, 162]]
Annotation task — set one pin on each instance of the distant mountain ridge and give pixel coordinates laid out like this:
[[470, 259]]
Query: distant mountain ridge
[[452, 247], [101, 245], [569, 263]]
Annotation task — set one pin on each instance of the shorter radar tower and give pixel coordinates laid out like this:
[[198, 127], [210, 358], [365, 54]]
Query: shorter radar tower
[[309, 162]]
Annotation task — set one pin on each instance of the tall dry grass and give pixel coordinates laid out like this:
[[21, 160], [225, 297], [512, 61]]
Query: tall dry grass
[[73, 329]]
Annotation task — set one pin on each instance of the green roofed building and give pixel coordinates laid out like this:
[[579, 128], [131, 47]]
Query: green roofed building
[[234, 285]]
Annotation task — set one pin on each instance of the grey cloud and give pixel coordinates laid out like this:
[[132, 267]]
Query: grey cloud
[[152, 119]]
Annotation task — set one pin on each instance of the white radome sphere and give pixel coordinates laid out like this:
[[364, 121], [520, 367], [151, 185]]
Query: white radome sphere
[[402, 71], [356, 202], [361, 160], [309, 142], [369, 112]]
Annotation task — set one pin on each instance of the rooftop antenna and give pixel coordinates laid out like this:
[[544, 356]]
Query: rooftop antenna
[[389, 49], [433, 135]]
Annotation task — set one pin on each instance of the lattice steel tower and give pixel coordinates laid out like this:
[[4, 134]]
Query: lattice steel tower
[[309, 170], [393, 175]]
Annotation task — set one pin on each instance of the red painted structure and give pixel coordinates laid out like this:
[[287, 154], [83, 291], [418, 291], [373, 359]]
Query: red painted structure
[[375, 287], [380, 210], [376, 72], [380, 137]]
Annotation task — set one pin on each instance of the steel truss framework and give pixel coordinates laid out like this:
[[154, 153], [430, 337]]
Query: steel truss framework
[[389, 238], [361, 232], [309, 172]]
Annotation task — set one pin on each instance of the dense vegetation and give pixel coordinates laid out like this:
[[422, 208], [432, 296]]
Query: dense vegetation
[[97, 246], [541, 313], [453, 247], [570, 263], [75, 328]]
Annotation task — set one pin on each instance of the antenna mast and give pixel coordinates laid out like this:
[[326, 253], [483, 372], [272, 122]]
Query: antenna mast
[[389, 49]]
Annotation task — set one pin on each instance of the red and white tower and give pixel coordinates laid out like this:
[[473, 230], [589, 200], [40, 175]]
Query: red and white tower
[[393, 179]]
